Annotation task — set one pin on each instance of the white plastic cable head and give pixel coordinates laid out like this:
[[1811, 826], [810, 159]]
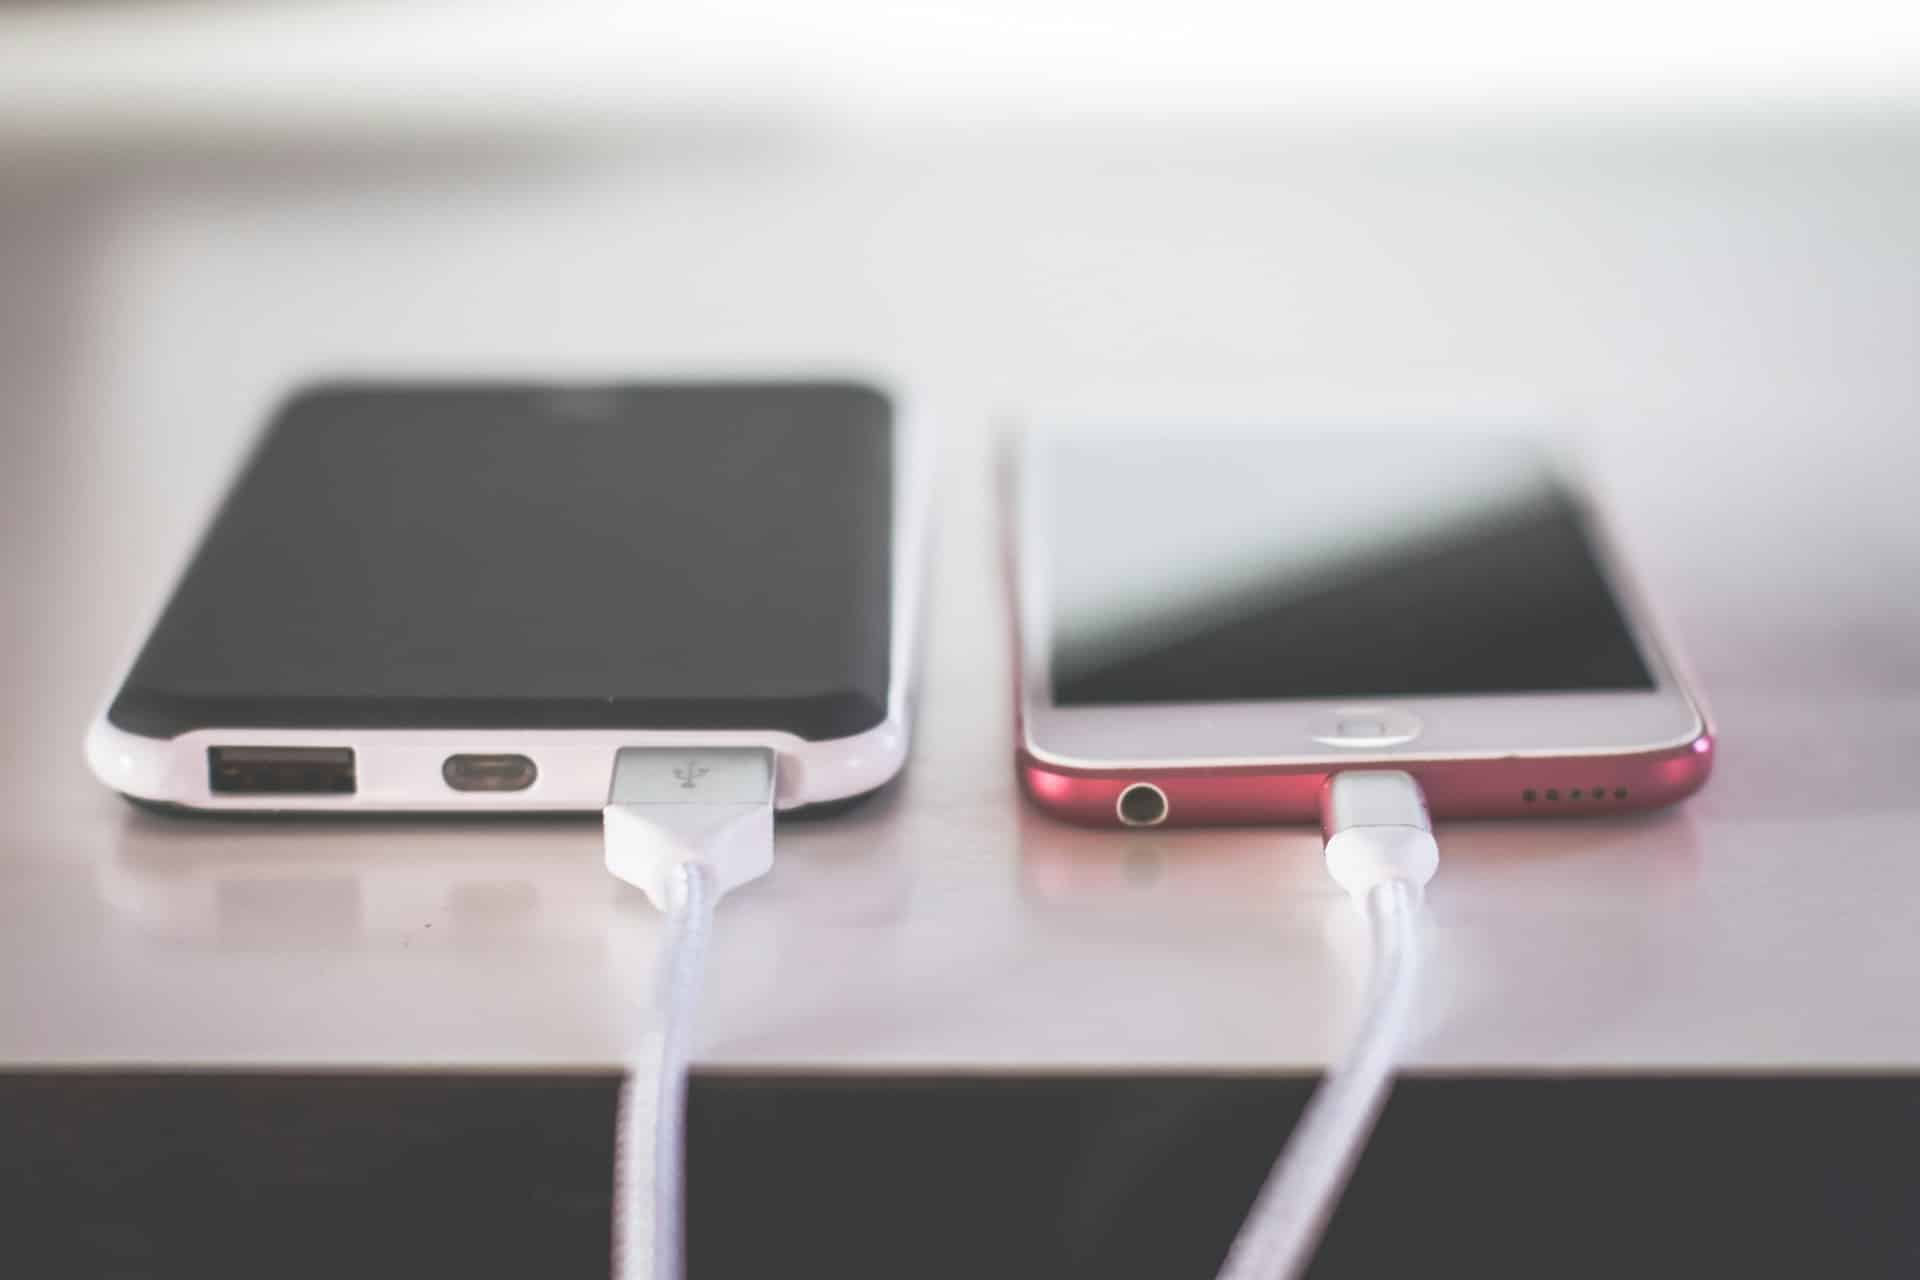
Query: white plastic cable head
[[1365, 857], [1378, 831], [712, 806]]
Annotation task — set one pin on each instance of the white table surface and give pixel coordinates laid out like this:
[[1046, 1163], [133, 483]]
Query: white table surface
[[1724, 318]]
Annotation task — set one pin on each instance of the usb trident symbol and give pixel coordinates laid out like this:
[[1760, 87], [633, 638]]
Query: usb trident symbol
[[689, 774]]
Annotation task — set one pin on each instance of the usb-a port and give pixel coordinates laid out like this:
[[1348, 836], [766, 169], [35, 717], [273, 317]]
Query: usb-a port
[[287, 771]]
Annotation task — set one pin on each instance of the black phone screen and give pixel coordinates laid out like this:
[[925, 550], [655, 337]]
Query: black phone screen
[[637, 556], [1359, 567]]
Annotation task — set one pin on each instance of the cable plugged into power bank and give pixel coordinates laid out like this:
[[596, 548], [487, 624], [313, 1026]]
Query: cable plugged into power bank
[[670, 808], [684, 826], [1380, 848]]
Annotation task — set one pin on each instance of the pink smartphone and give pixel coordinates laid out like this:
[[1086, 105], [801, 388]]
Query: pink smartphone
[[1209, 626]]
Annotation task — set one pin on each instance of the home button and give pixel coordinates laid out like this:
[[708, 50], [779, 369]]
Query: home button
[[1365, 728]]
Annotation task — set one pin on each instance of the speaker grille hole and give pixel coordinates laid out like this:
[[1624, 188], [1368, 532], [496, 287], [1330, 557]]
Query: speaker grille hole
[[1532, 795]]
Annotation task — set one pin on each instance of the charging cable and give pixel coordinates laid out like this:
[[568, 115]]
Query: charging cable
[[687, 826], [1380, 848], [684, 827]]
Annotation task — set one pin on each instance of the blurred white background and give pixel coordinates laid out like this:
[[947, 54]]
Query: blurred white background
[[217, 70]]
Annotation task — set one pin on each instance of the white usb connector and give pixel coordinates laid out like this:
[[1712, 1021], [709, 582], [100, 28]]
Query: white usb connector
[[684, 826], [1378, 832], [669, 807]]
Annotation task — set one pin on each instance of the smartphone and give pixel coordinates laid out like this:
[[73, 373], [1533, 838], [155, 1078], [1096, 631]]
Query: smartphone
[[1209, 627], [470, 596]]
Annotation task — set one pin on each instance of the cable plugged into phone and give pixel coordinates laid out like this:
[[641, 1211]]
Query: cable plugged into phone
[[684, 826], [1380, 848]]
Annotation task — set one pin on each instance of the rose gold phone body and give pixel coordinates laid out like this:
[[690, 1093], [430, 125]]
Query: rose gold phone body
[[1564, 751]]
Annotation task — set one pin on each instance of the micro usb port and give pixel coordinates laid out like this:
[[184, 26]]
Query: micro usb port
[[286, 771]]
